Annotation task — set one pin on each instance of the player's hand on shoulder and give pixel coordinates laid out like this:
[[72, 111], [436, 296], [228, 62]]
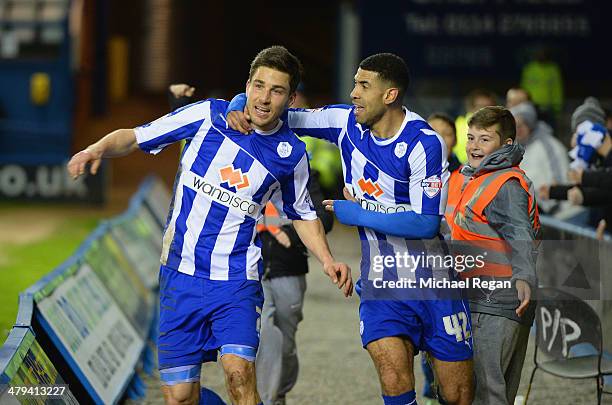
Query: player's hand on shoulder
[[240, 121], [77, 164], [340, 274]]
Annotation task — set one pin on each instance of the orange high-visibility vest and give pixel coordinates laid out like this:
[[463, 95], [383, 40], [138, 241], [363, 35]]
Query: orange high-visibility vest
[[271, 220], [467, 200]]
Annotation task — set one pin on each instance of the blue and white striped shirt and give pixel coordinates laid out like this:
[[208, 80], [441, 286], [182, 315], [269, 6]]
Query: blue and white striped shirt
[[408, 171], [225, 180]]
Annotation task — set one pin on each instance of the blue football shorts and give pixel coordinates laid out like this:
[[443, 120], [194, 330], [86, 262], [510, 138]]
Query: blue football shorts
[[201, 317], [440, 327]]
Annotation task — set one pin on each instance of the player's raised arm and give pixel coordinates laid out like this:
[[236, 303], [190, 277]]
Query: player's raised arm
[[115, 144], [152, 138], [323, 123]]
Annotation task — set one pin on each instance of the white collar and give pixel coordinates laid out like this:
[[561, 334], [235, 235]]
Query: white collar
[[387, 141], [272, 131]]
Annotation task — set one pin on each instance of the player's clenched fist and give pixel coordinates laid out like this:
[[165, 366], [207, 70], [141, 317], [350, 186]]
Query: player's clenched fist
[[340, 274], [78, 163]]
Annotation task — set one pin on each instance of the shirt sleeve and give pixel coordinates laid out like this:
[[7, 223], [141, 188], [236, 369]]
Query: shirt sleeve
[[293, 196], [428, 169], [408, 225], [323, 123], [182, 123]]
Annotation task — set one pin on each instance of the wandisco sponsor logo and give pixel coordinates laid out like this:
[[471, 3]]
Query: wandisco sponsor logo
[[223, 196], [379, 207]]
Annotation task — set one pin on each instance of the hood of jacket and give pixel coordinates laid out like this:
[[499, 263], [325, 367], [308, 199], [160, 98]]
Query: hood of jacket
[[505, 157]]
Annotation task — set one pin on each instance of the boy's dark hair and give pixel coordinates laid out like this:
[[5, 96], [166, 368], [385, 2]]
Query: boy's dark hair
[[389, 67], [497, 116], [443, 117], [279, 58]]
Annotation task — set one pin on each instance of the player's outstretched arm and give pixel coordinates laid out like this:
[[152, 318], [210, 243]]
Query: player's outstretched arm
[[312, 234], [409, 224], [118, 143]]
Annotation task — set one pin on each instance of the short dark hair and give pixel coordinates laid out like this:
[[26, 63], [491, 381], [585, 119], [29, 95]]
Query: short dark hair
[[498, 116], [389, 67], [443, 117], [471, 97], [279, 58]]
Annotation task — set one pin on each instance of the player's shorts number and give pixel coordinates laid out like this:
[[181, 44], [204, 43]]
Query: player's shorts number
[[456, 324]]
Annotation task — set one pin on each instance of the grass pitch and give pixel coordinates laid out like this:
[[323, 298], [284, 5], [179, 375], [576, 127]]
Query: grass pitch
[[33, 242]]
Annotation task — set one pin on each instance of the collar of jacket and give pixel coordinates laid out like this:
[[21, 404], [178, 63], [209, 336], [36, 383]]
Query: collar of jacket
[[503, 158]]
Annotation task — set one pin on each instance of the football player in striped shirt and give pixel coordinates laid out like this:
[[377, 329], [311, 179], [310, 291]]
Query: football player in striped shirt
[[395, 173], [210, 291]]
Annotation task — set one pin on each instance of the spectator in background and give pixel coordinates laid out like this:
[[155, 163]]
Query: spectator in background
[[545, 160], [516, 96], [541, 78], [444, 125], [593, 188], [589, 133], [592, 147], [474, 101], [285, 261]]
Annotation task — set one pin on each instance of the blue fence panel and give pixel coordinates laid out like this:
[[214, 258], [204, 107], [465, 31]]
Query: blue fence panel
[[91, 322], [23, 363]]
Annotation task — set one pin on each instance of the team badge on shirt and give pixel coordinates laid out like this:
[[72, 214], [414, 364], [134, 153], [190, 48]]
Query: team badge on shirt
[[284, 149], [432, 186], [400, 149]]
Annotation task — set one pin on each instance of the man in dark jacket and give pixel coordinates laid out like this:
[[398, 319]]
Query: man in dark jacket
[[285, 266], [285, 260]]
